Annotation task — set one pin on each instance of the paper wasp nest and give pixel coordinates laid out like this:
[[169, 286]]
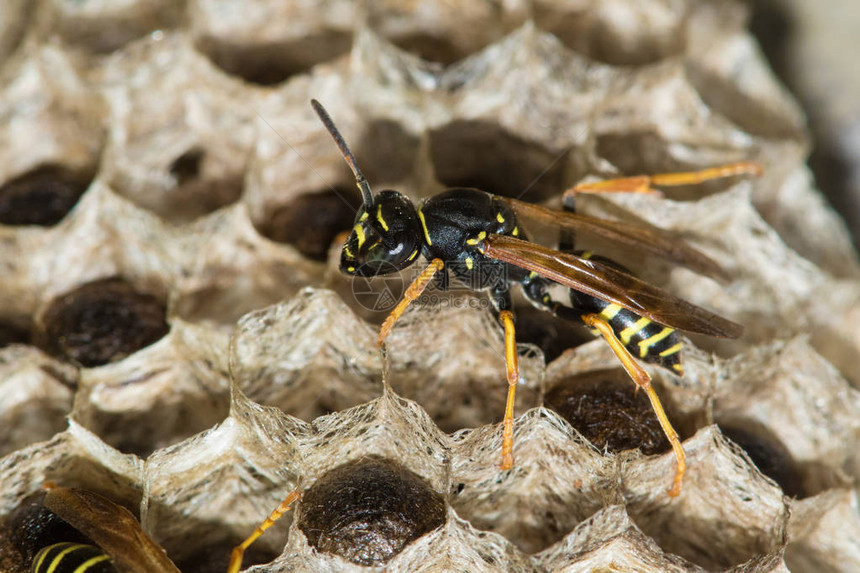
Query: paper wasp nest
[[169, 209]]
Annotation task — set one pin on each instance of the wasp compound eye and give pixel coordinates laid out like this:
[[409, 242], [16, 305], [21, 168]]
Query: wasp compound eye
[[367, 511], [102, 322], [605, 409]]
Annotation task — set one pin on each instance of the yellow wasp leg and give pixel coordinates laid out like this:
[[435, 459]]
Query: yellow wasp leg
[[643, 380], [412, 293], [239, 550], [644, 183], [513, 375]]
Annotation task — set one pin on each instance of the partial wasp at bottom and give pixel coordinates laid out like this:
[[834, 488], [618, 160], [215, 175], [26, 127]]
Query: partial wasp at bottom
[[79, 531], [476, 237]]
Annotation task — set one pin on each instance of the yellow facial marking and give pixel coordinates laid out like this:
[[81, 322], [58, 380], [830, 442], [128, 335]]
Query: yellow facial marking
[[413, 255], [610, 311], [350, 269], [516, 231], [678, 368], [628, 332], [586, 255], [348, 253], [379, 217], [424, 226], [363, 216], [671, 350], [359, 233], [500, 218], [470, 264], [481, 236], [651, 341]]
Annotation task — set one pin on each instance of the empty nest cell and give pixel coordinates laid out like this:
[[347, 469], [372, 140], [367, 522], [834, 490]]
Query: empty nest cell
[[265, 42]]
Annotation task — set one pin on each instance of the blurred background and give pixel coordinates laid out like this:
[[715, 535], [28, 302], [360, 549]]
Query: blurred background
[[813, 48]]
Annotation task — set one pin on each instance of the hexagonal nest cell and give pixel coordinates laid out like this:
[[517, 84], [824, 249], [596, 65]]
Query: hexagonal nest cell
[[176, 338]]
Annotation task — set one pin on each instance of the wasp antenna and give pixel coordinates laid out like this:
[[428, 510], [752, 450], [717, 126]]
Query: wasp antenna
[[363, 185]]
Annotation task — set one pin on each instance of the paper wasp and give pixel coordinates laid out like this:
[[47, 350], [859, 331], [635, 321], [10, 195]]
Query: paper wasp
[[471, 233], [466, 232], [88, 533]]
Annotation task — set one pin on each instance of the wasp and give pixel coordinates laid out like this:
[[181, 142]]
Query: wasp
[[117, 543], [476, 237]]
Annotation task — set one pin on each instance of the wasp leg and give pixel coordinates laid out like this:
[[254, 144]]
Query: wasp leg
[[412, 293], [513, 375], [635, 184], [643, 380], [644, 183], [239, 550]]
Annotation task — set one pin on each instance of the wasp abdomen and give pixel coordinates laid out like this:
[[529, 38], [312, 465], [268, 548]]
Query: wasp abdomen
[[644, 338], [71, 557]]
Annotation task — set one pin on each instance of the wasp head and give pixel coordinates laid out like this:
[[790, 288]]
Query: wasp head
[[386, 237]]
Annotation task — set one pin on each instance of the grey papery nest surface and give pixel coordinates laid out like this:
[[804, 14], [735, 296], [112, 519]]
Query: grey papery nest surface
[[170, 207]]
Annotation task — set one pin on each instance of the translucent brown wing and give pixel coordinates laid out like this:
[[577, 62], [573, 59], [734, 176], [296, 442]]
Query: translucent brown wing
[[640, 237], [610, 284], [111, 527]]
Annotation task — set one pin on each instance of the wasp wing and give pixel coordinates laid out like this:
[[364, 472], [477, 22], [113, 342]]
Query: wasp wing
[[609, 284], [642, 237], [111, 527]]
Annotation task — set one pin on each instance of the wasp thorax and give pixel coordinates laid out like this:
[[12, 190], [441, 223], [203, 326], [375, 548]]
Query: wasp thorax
[[386, 237]]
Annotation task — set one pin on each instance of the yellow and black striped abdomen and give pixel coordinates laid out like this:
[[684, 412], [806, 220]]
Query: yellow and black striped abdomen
[[71, 558], [644, 338]]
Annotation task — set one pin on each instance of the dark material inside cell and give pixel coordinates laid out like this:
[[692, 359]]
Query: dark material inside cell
[[368, 510], [11, 334], [187, 166], [11, 560], [102, 322], [769, 456], [312, 221], [486, 156], [602, 407], [33, 527], [41, 197], [215, 558]]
